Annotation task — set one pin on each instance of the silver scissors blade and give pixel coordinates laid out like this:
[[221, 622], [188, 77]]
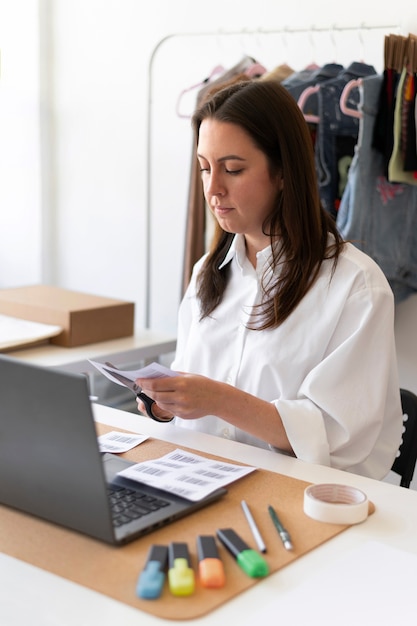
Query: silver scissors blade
[[128, 382], [131, 384]]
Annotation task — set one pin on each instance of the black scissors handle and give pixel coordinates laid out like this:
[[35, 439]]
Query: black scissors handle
[[148, 402]]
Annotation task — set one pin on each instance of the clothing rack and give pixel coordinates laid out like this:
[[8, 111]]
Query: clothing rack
[[283, 42]]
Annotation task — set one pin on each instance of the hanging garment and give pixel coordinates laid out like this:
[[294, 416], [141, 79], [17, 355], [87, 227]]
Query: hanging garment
[[415, 115], [397, 49], [337, 136], [379, 217], [409, 133], [396, 171], [309, 77], [305, 87], [383, 132], [279, 73]]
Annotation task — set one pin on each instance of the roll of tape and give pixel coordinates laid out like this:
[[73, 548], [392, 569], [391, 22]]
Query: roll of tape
[[337, 504]]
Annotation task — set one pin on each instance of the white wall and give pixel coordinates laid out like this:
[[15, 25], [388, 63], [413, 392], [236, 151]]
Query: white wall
[[106, 206], [20, 182]]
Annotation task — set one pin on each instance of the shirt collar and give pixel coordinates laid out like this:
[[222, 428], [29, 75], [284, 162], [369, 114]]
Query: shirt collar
[[238, 249]]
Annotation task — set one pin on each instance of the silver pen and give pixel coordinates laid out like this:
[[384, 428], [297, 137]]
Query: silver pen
[[283, 532], [253, 527]]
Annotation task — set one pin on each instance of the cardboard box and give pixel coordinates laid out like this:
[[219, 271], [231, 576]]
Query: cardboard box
[[84, 318]]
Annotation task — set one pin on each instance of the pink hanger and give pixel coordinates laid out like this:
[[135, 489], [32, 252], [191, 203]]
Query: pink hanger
[[313, 119], [254, 70], [352, 84], [219, 69]]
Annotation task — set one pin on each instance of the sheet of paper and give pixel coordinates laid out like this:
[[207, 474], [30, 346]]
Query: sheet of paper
[[372, 584], [186, 474], [117, 442], [17, 332], [154, 370]]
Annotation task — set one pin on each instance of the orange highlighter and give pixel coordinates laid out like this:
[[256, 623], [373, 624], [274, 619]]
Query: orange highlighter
[[210, 566]]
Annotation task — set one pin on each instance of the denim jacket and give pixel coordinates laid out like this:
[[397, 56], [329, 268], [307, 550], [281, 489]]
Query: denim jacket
[[380, 217], [297, 82], [337, 135]]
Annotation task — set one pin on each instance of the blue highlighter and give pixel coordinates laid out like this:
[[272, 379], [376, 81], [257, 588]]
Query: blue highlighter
[[151, 580], [250, 561]]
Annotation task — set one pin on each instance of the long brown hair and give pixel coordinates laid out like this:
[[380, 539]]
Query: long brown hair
[[272, 118]]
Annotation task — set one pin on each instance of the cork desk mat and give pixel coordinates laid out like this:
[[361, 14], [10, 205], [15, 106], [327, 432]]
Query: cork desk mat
[[113, 571]]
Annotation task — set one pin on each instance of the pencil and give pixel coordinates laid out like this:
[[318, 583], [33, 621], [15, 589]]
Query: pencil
[[252, 525]]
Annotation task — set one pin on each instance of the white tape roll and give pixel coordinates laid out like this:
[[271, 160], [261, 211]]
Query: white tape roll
[[337, 504]]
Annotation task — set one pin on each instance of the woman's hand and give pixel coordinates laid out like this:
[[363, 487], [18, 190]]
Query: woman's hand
[[188, 396], [191, 396], [156, 410]]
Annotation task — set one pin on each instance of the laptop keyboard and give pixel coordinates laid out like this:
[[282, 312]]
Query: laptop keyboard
[[128, 504]]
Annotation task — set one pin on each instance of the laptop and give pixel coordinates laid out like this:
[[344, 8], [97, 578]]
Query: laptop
[[51, 465]]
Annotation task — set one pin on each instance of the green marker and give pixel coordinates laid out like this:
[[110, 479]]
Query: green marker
[[250, 561]]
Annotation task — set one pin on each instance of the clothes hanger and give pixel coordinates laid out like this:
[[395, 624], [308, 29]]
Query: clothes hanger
[[397, 51], [216, 71], [255, 70], [312, 89], [250, 67], [355, 83], [305, 95]]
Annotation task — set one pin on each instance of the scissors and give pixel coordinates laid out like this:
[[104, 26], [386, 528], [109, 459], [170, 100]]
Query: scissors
[[131, 384]]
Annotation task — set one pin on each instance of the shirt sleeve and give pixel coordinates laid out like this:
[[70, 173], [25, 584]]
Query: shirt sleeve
[[342, 404]]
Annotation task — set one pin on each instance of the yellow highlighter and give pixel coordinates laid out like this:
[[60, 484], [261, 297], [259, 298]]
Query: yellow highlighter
[[181, 578]]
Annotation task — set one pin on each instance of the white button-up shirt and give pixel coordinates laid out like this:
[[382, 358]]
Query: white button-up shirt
[[330, 369]]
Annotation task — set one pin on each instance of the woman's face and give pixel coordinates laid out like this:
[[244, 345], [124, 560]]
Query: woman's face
[[238, 186]]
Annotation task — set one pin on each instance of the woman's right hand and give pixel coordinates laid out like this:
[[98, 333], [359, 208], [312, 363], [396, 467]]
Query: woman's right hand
[[156, 410]]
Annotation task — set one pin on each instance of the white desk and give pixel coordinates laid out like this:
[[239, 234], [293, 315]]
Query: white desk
[[143, 345], [29, 595]]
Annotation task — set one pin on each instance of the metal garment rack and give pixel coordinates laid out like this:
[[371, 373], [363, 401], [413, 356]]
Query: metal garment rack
[[284, 33]]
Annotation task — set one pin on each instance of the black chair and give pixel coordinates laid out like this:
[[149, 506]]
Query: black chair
[[405, 462]]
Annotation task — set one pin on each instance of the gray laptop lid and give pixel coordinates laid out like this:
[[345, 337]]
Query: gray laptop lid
[[50, 462]]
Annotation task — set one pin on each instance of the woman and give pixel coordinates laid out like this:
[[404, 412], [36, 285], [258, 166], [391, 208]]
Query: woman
[[285, 335]]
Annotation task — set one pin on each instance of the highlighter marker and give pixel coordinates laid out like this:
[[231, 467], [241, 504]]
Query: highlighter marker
[[152, 578], [210, 566], [250, 561], [180, 574]]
